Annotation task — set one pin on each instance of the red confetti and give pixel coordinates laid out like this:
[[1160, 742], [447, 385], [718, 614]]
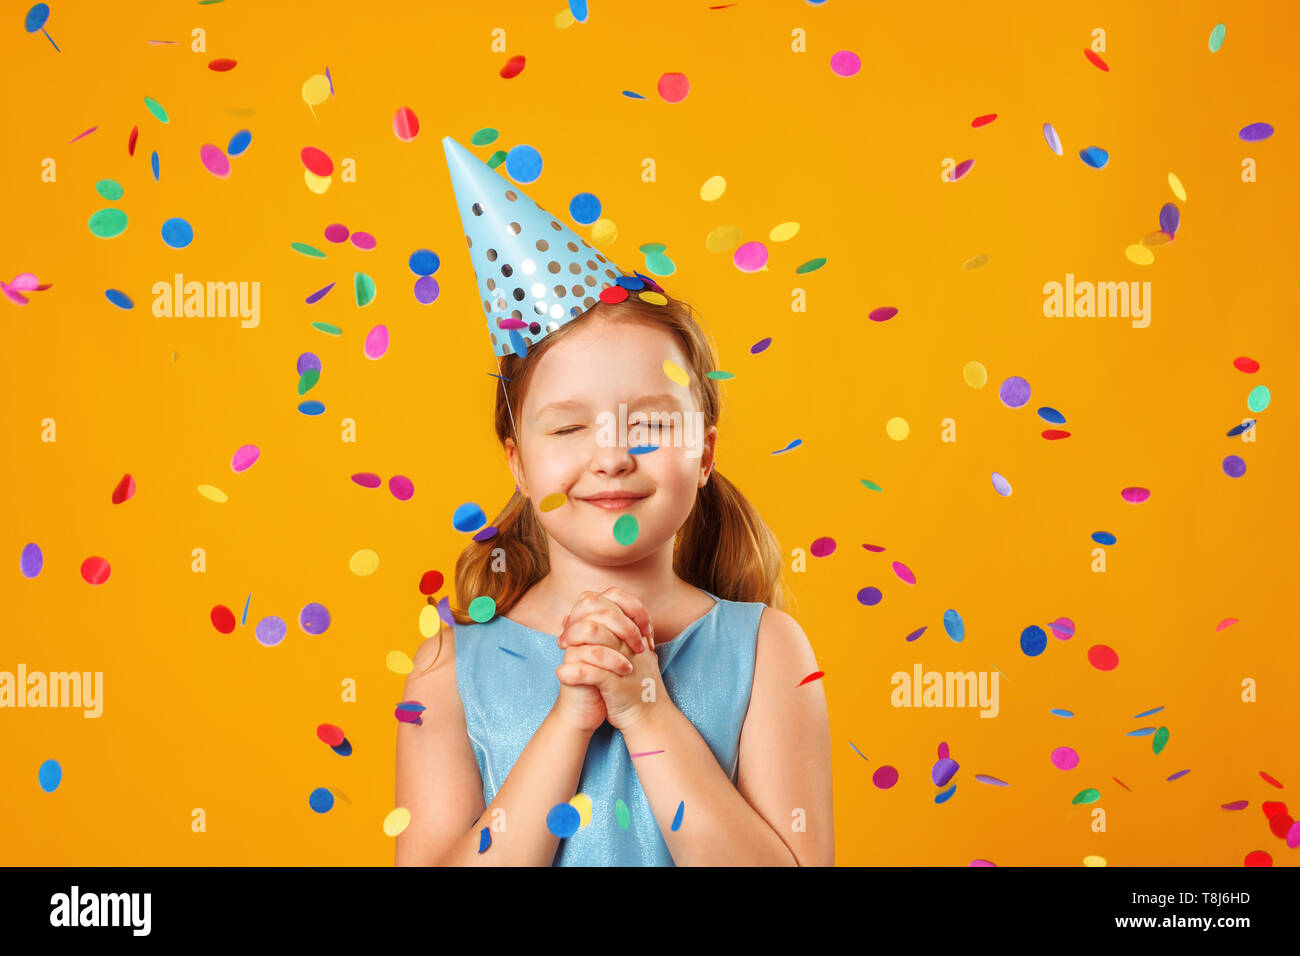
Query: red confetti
[[330, 734], [1244, 364], [983, 120], [1096, 61], [1272, 808], [431, 582], [1054, 434], [222, 65], [130, 143], [1102, 657], [1271, 780], [223, 619], [1258, 858], [813, 676], [613, 295], [1280, 824], [673, 87], [1122, 784], [1226, 622], [514, 66], [316, 161], [405, 124], [125, 490], [95, 570], [79, 135]]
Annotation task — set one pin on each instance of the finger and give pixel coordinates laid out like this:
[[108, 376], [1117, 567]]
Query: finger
[[634, 609], [618, 662], [629, 606], [607, 626]]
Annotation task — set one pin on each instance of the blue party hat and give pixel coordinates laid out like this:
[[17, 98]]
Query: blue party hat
[[535, 274]]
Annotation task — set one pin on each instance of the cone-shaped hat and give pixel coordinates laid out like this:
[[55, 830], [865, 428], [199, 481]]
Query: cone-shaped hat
[[535, 274]]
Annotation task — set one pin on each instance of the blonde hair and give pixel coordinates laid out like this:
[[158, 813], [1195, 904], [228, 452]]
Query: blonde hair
[[724, 547]]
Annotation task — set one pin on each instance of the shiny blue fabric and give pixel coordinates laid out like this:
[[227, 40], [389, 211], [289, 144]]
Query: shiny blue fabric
[[708, 670]]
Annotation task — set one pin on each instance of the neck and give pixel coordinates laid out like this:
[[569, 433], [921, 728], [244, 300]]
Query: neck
[[651, 580]]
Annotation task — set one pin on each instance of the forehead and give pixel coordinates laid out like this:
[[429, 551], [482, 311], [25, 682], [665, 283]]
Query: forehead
[[605, 361]]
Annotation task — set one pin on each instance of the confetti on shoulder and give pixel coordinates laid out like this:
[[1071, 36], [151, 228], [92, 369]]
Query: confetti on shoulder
[[815, 675]]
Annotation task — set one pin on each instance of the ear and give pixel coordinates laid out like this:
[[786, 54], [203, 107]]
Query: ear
[[516, 466], [707, 456]]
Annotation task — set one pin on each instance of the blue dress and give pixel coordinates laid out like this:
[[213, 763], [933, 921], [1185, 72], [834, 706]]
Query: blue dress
[[505, 673]]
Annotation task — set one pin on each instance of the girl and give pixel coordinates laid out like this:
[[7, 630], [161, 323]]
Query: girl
[[639, 663]]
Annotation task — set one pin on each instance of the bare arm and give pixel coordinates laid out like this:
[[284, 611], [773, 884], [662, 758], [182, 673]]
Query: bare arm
[[439, 782], [784, 770]]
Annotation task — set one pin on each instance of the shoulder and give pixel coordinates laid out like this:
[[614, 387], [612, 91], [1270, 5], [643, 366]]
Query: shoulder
[[435, 658], [782, 643]]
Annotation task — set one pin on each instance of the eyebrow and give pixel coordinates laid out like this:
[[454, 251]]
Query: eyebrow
[[661, 399]]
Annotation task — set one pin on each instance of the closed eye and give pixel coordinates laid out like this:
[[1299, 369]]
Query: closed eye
[[568, 430]]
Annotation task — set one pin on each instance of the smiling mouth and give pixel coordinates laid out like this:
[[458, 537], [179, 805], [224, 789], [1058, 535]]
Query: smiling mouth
[[616, 503]]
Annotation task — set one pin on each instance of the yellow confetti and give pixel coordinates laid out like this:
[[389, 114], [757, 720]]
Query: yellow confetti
[[787, 230], [364, 562], [399, 663], [723, 239], [974, 262], [564, 19], [975, 374], [430, 622], [713, 188], [1139, 254], [315, 91], [897, 428], [1177, 186], [676, 372], [604, 232], [1097, 860], [317, 184], [397, 821], [552, 501], [1157, 238], [212, 493], [582, 803], [654, 298]]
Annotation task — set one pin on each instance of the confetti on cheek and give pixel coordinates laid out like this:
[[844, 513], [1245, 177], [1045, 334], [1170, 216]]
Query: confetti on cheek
[[1096, 60], [125, 490], [673, 87], [845, 63], [1103, 657], [31, 560], [95, 570], [482, 609], [884, 777], [815, 675], [626, 530], [563, 820], [397, 820], [822, 547], [1065, 758], [677, 817]]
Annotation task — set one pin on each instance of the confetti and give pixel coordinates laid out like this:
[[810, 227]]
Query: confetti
[[904, 573], [983, 120], [125, 490], [917, 633], [1256, 132], [244, 458], [315, 408], [673, 87], [316, 297], [119, 298], [582, 803], [992, 781], [406, 125], [870, 596], [1176, 185], [1216, 37], [750, 257], [1091, 795], [270, 631], [1014, 392], [677, 817], [1103, 537], [676, 373], [315, 91], [975, 375], [482, 609], [107, 223], [1234, 467], [1001, 485], [884, 777], [177, 233], [822, 547], [845, 63], [31, 561], [397, 820], [1236, 805], [975, 262], [626, 530], [376, 344], [399, 663], [961, 169], [363, 241], [1033, 640], [212, 493], [954, 625], [95, 570], [945, 795], [468, 517], [156, 108], [1245, 364], [364, 288], [1065, 758], [1226, 622], [815, 675], [1160, 738], [49, 776], [524, 164], [882, 314], [1270, 779], [1259, 398], [563, 820], [1103, 657], [1053, 141], [897, 428], [1094, 156], [794, 444], [1135, 496], [1096, 60], [330, 734], [1139, 254], [364, 562], [314, 619], [944, 769]]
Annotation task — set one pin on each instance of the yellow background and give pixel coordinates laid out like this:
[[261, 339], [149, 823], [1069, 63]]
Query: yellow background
[[193, 718]]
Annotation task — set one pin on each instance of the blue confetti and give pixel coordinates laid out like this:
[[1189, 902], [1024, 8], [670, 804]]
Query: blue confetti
[[1033, 640], [1241, 428], [584, 208], [794, 444], [484, 839], [677, 819], [1103, 537], [423, 262], [119, 299], [468, 517], [246, 603], [954, 625], [518, 344], [1094, 156], [344, 749], [642, 449], [524, 164], [563, 820], [239, 143], [153, 162], [1148, 713], [1051, 415], [858, 752], [312, 408], [177, 233], [1062, 713], [50, 775], [1141, 732], [321, 800], [943, 797], [512, 653]]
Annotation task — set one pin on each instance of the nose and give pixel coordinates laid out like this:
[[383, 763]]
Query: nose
[[611, 460]]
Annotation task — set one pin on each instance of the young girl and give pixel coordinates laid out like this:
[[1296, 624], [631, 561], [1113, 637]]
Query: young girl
[[639, 663]]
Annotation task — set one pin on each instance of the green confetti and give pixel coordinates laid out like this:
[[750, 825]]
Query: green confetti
[[812, 265], [107, 223], [1090, 795], [110, 189], [1159, 740], [658, 264], [626, 530], [624, 818], [484, 136], [156, 109], [496, 159], [327, 328], [720, 376], [306, 250], [651, 247], [872, 485], [308, 380], [482, 608], [365, 289]]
